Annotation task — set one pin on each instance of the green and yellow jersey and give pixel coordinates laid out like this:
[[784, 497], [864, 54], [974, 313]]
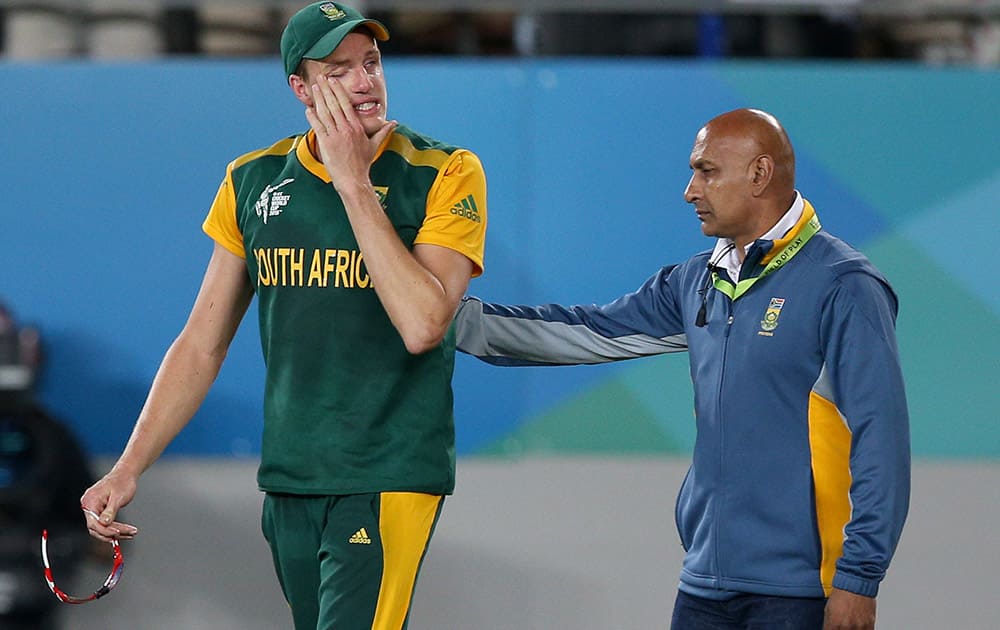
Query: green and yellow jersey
[[346, 408]]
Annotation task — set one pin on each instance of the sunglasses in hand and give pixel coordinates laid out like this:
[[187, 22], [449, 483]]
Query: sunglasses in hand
[[118, 563]]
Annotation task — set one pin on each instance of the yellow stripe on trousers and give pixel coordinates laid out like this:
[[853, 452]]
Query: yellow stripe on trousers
[[405, 523]]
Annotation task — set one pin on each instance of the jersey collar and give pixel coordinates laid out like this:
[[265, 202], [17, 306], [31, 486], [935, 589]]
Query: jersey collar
[[304, 151]]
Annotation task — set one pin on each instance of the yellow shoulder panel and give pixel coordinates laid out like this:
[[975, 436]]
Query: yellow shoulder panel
[[281, 147], [398, 143]]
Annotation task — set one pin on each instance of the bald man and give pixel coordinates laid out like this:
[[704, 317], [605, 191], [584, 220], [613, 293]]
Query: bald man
[[799, 483]]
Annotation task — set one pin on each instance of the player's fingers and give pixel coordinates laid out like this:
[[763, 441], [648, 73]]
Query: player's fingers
[[125, 531], [107, 515], [383, 132], [105, 533], [320, 111], [327, 107], [314, 121], [94, 502], [341, 107], [108, 531], [329, 88]]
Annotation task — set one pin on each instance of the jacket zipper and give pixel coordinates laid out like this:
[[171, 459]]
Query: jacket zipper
[[730, 305]]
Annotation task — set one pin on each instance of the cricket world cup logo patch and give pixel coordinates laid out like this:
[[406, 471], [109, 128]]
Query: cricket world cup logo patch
[[770, 321], [272, 201]]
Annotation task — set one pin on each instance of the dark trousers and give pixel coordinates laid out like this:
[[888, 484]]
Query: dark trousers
[[748, 612]]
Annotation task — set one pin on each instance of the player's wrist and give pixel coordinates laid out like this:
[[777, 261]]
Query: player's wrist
[[126, 469], [360, 199]]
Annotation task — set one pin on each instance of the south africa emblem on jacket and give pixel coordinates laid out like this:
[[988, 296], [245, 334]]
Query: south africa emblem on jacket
[[770, 321]]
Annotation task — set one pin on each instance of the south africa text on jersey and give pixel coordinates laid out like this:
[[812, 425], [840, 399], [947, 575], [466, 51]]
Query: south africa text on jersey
[[298, 267]]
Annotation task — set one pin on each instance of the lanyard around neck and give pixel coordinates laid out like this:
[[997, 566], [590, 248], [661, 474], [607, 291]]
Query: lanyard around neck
[[786, 254]]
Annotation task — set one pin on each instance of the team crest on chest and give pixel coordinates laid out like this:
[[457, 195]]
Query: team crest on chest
[[382, 192], [272, 200], [770, 321]]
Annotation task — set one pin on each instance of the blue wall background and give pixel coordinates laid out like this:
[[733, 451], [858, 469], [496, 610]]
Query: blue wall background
[[109, 170]]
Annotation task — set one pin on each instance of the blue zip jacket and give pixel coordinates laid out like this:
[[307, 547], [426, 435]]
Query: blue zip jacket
[[800, 475]]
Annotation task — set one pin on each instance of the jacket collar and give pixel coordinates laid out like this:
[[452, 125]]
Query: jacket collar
[[778, 244], [762, 250]]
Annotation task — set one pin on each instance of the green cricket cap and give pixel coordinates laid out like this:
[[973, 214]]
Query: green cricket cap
[[316, 30]]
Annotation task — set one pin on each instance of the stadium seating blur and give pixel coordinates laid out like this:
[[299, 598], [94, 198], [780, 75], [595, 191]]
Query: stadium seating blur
[[932, 31]]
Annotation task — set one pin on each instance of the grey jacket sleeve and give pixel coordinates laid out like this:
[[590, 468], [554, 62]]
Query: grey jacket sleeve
[[639, 324]]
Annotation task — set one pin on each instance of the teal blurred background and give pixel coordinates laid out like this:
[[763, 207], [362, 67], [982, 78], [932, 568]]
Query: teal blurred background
[[110, 168]]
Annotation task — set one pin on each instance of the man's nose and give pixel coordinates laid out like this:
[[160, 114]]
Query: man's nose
[[691, 194], [358, 80]]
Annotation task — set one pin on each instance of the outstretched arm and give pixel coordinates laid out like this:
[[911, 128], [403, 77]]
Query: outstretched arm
[[639, 324], [188, 369]]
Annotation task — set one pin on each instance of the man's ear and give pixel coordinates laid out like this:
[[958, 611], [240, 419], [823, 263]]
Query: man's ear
[[301, 89], [761, 173]]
